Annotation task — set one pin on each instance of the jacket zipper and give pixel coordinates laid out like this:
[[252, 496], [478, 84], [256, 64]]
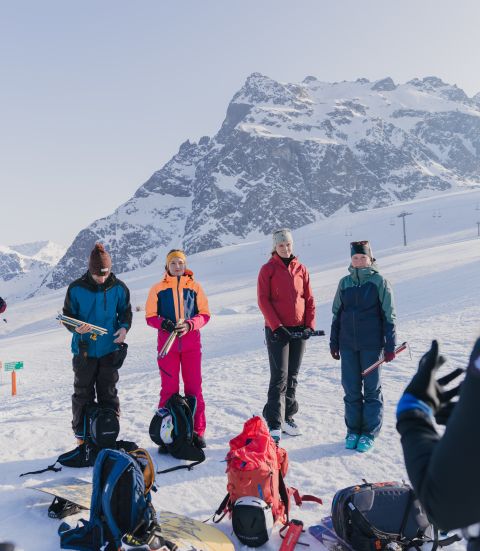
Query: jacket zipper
[[179, 339], [292, 288], [356, 304]]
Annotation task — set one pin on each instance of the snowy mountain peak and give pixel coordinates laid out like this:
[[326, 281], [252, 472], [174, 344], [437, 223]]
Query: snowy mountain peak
[[29, 249], [289, 154], [24, 266], [385, 84], [259, 89], [435, 84]]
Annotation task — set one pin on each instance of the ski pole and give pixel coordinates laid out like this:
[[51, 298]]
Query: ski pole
[[379, 362]]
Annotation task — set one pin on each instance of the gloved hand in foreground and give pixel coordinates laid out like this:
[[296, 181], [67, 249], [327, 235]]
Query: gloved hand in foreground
[[431, 391]]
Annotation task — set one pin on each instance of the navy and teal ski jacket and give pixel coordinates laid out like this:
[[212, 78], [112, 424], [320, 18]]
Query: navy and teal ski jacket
[[363, 312], [106, 305]]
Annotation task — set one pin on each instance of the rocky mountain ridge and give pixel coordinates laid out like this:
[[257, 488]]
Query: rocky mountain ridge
[[288, 155]]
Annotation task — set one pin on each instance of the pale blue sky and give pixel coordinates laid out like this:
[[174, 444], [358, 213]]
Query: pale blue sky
[[97, 95]]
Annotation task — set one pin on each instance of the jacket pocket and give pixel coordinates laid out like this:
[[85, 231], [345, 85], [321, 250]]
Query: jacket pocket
[[80, 360], [118, 356]]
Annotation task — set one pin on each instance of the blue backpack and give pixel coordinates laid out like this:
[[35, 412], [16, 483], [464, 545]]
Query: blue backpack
[[121, 506]]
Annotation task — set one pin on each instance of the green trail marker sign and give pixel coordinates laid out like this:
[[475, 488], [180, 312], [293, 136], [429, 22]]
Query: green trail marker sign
[[12, 366]]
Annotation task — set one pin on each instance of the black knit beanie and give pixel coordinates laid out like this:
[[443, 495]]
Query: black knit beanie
[[361, 247]]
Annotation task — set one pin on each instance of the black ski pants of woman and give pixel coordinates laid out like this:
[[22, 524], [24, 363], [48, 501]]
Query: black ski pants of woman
[[95, 378], [285, 359]]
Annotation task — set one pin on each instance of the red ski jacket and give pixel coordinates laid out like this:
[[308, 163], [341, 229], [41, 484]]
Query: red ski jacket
[[284, 294]]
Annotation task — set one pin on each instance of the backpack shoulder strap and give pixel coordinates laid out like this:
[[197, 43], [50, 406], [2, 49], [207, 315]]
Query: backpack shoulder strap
[[122, 463]]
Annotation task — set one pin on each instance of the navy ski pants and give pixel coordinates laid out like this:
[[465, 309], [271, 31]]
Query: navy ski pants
[[363, 397]]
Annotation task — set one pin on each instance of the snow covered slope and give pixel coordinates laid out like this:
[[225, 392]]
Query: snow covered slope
[[436, 283], [292, 154]]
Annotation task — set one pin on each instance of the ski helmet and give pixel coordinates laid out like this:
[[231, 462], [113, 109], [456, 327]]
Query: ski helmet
[[252, 520]]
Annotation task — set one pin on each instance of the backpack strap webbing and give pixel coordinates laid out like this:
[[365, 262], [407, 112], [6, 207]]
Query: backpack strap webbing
[[49, 468], [283, 491], [286, 492], [299, 499], [178, 467], [222, 509]]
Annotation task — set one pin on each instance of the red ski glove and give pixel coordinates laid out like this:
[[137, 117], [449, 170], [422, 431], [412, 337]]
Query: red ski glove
[[389, 356]]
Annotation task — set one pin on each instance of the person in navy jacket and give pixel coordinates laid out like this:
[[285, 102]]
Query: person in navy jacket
[[363, 328], [97, 298]]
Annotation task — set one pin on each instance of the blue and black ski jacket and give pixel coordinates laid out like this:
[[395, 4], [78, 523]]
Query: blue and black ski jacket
[[363, 312], [106, 305]]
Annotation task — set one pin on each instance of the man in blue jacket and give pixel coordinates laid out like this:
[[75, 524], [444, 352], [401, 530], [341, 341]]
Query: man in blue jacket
[[97, 298]]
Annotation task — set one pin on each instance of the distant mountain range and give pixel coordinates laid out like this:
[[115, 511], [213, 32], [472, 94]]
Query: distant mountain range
[[23, 267], [288, 155]]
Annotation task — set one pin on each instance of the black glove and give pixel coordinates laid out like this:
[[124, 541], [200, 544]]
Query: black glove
[[282, 334], [168, 325], [424, 386], [307, 333], [334, 353]]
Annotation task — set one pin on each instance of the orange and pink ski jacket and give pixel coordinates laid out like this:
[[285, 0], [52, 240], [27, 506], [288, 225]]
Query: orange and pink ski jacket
[[285, 295], [174, 298]]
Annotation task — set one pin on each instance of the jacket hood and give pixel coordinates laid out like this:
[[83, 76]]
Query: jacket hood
[[88, 281], [275, 258], [361, 274], [188, 275]]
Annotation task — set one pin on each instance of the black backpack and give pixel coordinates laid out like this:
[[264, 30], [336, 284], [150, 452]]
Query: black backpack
[[101, 426], [371, 517], [172, 428], [121, 507]]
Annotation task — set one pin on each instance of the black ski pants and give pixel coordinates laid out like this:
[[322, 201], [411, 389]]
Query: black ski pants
[[94, 378], [285, 360]]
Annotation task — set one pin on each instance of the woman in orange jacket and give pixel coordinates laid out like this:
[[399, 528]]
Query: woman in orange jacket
[[179, 297], [286, 301]]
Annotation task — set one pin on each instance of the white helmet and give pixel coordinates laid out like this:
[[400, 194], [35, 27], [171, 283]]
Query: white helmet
[[252, 520]]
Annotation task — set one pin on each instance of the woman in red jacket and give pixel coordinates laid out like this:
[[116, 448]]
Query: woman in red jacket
[[286, 301]]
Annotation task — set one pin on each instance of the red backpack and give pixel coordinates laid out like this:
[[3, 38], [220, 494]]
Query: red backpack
[[256, 466]]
